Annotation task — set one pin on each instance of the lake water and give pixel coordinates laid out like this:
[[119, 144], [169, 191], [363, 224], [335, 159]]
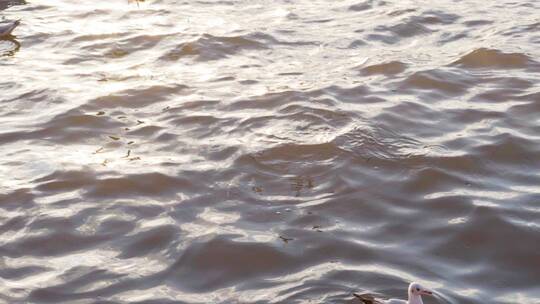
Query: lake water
[[269, 151]]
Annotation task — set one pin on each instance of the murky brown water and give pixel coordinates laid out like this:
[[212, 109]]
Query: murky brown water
[[269, 151]]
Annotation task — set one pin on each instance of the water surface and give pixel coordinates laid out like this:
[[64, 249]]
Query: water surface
[[269, 151]]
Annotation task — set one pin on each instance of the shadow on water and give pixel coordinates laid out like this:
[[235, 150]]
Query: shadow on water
[[9, 46]]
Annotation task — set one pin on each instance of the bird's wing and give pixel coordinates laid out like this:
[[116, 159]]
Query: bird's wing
[[395, 301], [366, 298], [8, 27]]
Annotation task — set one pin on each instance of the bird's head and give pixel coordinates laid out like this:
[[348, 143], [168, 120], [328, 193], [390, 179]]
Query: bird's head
[[418, 289]]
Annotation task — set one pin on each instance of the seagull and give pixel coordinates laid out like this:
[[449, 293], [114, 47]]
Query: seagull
[[415, 296], [7, 26]]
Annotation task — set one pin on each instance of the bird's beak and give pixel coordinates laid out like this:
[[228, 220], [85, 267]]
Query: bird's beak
[[427, 292]]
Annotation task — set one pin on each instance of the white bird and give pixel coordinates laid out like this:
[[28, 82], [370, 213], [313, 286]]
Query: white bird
[[7, 26], [415, 296]]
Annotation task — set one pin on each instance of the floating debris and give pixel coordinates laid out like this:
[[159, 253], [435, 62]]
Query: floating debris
[[117, 53], [100, 113], [114, 137], [128, 153], [136, 1], [140, 122], [98, 150], [285, 239], [134, 158], [300, 183], [131, 142]]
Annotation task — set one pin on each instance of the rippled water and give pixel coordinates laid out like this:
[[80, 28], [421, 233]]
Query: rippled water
[[269, 151]]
